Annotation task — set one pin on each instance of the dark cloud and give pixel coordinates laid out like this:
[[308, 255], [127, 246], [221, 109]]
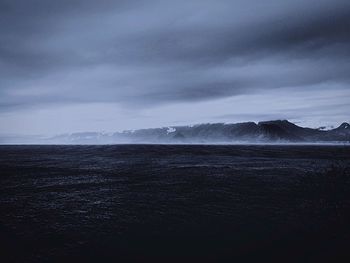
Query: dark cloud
[[154, 52]]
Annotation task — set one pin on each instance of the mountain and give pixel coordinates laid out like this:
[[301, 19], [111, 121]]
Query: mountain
[[279, 131], [269, 131]]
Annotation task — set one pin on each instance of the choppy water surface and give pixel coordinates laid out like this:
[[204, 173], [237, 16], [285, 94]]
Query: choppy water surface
[[174, 202]]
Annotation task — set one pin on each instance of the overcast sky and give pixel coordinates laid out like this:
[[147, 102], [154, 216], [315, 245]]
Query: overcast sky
[[87, 65]]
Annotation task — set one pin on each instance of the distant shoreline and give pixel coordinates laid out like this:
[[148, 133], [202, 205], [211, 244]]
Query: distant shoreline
[[186, 144]]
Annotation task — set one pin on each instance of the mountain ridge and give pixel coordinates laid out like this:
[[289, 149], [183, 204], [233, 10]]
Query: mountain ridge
[[273, 131]]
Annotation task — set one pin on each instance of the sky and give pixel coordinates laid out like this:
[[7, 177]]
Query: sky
[[111, 65]]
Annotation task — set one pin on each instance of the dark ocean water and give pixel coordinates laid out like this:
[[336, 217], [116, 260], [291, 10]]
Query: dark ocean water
[[174, 203]]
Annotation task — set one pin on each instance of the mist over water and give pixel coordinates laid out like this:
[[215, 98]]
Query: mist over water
[[269, 132]]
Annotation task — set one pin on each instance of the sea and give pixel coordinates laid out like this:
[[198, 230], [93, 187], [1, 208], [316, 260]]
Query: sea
[[174, 203]]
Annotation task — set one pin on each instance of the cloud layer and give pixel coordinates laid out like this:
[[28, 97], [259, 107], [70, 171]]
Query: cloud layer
[[140, 55]]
